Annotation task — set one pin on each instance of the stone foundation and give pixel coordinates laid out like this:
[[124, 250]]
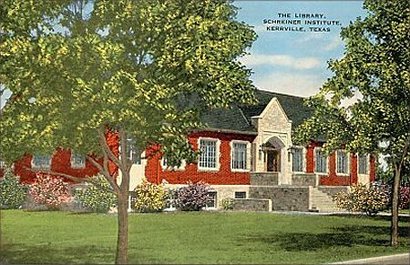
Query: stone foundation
[[289, 198], [252, 205], [305, 180], [264, 179]]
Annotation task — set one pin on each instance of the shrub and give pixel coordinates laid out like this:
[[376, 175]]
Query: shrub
[[50, 191], [404, 200], [192, 197], [360, 198], [150, 197], [404, 194], [227, 204], [12, 193], [97, 195]]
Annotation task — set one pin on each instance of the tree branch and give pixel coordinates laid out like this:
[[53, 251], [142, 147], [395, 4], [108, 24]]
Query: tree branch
[[50, 172], [106, 148], [105, 173]]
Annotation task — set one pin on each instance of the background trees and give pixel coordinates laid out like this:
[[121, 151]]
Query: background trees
[[375, 67], [80, 69]]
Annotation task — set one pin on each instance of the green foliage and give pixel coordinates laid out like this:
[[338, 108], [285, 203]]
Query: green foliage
[[97, 195], [150, 197], [227, 203], [375, 69], [360, 198], [12, 193], [138, 71]]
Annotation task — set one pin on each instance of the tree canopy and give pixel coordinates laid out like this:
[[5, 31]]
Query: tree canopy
[[375, 69], [77, 66]]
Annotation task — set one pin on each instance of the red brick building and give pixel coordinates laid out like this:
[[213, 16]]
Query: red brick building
[[242, 148]]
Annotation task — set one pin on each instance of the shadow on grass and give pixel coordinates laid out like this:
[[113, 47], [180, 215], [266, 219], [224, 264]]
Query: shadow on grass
[[51, 254], [340, 237]]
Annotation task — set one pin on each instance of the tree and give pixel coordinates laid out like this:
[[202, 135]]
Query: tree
[[82, 70], [375, 67]]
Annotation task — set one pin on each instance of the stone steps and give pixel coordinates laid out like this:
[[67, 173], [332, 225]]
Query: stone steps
[[322, 202]]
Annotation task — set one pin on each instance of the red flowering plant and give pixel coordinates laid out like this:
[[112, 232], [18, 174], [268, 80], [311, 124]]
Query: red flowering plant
[[50, 191]]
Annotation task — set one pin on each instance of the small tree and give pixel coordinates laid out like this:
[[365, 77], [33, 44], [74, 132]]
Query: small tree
[[193, 197], [12, 193], [50, 191], [78, 69]]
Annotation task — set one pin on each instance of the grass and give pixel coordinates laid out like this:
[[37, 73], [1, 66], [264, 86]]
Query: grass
[[199, 237]]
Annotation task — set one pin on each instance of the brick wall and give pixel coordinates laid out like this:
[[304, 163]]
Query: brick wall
[[60, 162], [224, 176]]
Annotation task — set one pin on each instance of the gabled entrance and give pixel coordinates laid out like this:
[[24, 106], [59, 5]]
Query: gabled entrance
[[272, 154]]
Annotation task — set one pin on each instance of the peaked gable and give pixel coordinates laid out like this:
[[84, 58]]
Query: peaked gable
[[238, 118], [292, 106]]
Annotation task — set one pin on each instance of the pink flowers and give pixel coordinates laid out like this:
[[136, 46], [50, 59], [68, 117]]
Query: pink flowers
[[50, 191]]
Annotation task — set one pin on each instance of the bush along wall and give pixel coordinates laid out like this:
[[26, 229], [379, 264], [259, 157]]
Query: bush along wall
[[12, 193], [150, 197], [51, 192], [96, 195], [360, 198], [192, 197]]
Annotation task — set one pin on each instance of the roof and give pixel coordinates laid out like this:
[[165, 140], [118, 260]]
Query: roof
[[238, 117]]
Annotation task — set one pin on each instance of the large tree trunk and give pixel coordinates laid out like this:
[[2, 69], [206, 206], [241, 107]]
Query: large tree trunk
[[125, 167], [122, 239], [394, 236]]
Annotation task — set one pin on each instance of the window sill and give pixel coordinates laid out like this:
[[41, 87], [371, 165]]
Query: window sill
[[78, 166], [200, 169], [342, 174], [237, 170], [40, 167], [321, 173]]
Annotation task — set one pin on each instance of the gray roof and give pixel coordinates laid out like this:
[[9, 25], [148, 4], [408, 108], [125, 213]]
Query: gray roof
[[238, 117]]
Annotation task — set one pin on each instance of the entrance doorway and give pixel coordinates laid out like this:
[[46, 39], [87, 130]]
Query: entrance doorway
[[272, 150], [273, 160]]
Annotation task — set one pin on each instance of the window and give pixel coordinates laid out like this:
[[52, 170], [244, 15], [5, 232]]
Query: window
[[320, 161], [240, 194], [363, 164], [297, 159], [209, 151], [41, 161], [342, 163], [77, 160], [212, 200], [239, 155], [133, 153]]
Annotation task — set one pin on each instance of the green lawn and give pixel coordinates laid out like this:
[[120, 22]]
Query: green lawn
[[201, 237]]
